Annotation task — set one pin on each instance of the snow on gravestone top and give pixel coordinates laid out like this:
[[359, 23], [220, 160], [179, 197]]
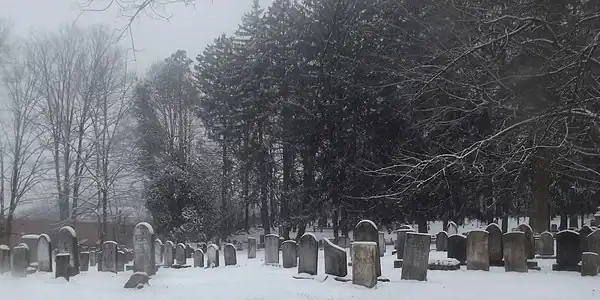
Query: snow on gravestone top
[[30, 236], [147, 225], [63, 254], [330, 243], [213, 246], [169, 243], [45, 236], [309, 234], [271, 234], [70, 230], [462, 235], [367, 221], [4, 247], [110, 242], [22, 245]]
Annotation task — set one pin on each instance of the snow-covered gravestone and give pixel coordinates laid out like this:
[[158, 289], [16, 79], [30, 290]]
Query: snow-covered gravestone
[[515, 253], [416, 256], [546, 244], [180, 254], [158, 252], [308, 252], [198, 258], [441, 241], [229, 255], [251, 247], [457, 248], [289, 254], [272, 249], [495, 244], [529, 241], [478, 255], [168, 253], [44, 253], [452, 228], [364, 259], [336, 263], [366, 231], [67, 243], [4, 259], [212, 256], [62, 266], [143, 249], [31, 241], [20, 260], [109, 256]]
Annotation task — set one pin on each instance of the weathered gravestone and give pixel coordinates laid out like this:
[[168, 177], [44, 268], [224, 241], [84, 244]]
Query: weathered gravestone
[[441, 241], [366, 231], [158, 252], [84, 261], [180, 254], [4, 259], [589, 264], [272, 249], [478, 255], [568, 252], [529, 241], [199, 258], [229, 254], [583, 235], [109, 256], [212, 256], [63, 268], [381, 243], [452, 228], [120, 260], [457, 248], [364, 263], [546, 245], [44, 253], [31, 240], [593, 240], [495, 244], [308, 252], [515, 255], [93, 257], [67, 243], [400, 241], [189, 251], [416, 256], [289, 254], [168, 254], [20, 260], [143, 249], [251, 247], [336, 262]]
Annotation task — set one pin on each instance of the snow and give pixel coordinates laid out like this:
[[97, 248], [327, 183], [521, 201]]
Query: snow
[[271, 235], [70, 230], [4, 247], [30, 236], [251, 279], [147, 225], [169, 243], [45, 236], [110, 242], [309, 234], [367, 221], [332, 245], [22, 245], [571, 231]]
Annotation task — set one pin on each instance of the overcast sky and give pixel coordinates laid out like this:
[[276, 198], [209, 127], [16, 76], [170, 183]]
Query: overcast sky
[[189, 28]]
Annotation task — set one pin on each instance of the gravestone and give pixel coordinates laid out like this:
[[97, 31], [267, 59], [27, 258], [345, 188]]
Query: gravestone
[[199, 258], [589, 264], [597, 218], [336, 262], [84, 261], [495, 244], [212, 256], [109, 257], [4, 259], [553, 228], [583, 235], [400, 240], [143, 249], [404, 226], [251, 247], [529, 241], [168, 256], [63, 266], [366, 231], [67, 243], [120, 261], [457, 248], [230, 255], [44, 253], [478, 255], [546, 244], [261, 240], [441, 241], [568, 252], [158, 252], [364, 261], [593, 240], [515, 255], [452, 228], [308, 252], [272, 249], [381, 243], [31, 240], [189, 251], [20, 260], [93, 258], [180, 254], [416, 256], [289, 254]]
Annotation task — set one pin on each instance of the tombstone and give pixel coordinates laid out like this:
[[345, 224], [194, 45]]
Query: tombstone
[[99, 260], [568, 252], [180, 254], [168, 254], [366, 231], [381, 243], [452, 228], [261, 240], [44, 253], [93, 256], [230, 255], [308, 253], [251, 247], [404, 226], [31, 240], [364, 261], [336, 262], [189, 251], [143, 249], [593, 241], [546, 244], [553, 228], [63, 266], [67, 243], [198, 258], [400, 239], [20, 260], [441, 241], [121, 261], [583, 235], [289, 254], [202, 246], [478, 254], [212, 256], [495, 244], [589, 264], [343, 241], [158, 252], [109, 257], [84, 261], [416, 256], [457, 248], [515, 253], [529, 241], [272, 249]]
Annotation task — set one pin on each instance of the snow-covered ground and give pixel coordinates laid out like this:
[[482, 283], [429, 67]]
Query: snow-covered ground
[[252, 280]]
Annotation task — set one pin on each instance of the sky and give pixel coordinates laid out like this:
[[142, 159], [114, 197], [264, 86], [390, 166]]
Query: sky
[[188, 28]]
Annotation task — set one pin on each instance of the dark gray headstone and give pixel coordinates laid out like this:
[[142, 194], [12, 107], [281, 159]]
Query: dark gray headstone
[[441, 241], [180, 257], [366, 231], [289, 254], [4, 259], [168, 257], [158, 252], [400, 241], [271, 249], [251, 247], [31, 240], [457, 248], [589, 264], [416, 256], [515, 255], [229, 254], [583, 235], [84, 261], [546, 244], [529, 241], [212, 256], [109, 256], [63, 266], [593, 240], [568, 252], [199, 258], [308, 251], [336, 262], [495, 244], [478, 254], [20, 260]]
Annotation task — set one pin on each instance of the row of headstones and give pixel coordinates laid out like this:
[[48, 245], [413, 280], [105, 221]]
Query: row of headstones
[[169, 254]]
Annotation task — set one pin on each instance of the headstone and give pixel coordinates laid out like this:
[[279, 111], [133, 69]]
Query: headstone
[[416, 256], [441, 241], [143, 249], [553, 228], [366, 231], [4, 259], [93, 258], [158, 252], [515, 255], [230, 255], [495, 244], [404, 226], [400, 240], [63, 266], [261, 240], [289, 254], [251, 247], [308, 252], [457, 248], [589, 264], [31, 240], [597, 218], [84, 261], [272, 249], [44, 253], [336, 262], [212, 256], [20, 260], [364, 260], [120, 261], [189, 251], [529, 241], [109, 257], [452, 228], [381, 243], [546, 244], [583, 235], [593, 240], [168, 254], [180, 254], [199, 258], [478, 255], [567, 251], [67, 243]]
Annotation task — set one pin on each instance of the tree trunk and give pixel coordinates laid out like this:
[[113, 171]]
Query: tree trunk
[[264, 200], [540, 192]]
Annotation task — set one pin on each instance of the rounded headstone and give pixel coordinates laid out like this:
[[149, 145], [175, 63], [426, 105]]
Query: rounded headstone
[[478, 256], [308, 251], [515, 255], [529, 241], [441, 241], [143, 249], [366, 231], [457, 248], [495, 244], [546, 244]]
